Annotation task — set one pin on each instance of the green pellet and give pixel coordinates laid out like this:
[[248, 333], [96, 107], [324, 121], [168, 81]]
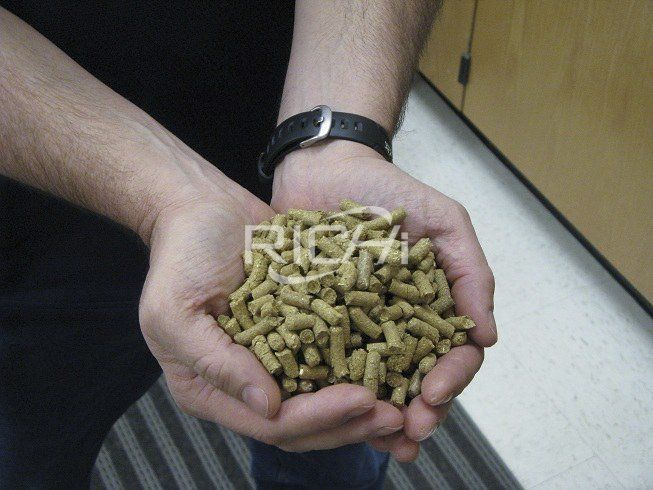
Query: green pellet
[[312, 355], [398, 397], [442, 347], [288, 363], [363, 323], [300, 321], [406, 291], [362, 298], [357, 364], [424, 347], [458, 339], [306, 336], [275, 341], [427, 363], [419, 251], [337, 351], [327, 312], [313, 372], [264, 353], [262, 328], [321, 332], [420, 328], [461, 322], [371, 373], [442, 304], [429, 316], [392, 337], [426, 291], [289, 384]]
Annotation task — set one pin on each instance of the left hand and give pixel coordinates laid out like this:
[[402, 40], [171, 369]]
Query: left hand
[[320, 176]]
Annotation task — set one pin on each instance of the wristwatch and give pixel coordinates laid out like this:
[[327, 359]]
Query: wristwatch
[[307, 128]]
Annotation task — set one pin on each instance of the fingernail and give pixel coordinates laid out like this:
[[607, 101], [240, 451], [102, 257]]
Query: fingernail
[[430, 433], [256, 399], [360, 410], [384, 431], [441, 401]]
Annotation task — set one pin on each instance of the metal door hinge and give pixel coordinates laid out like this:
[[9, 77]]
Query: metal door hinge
[[463, 69]]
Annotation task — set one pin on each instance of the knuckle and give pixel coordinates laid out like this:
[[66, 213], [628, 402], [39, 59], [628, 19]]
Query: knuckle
[[461, 212]]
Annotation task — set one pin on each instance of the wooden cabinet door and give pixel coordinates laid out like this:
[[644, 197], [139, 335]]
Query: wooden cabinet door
[[565, 90], [448, 41]]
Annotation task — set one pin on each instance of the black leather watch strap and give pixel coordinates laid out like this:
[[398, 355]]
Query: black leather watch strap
[[304, 129]]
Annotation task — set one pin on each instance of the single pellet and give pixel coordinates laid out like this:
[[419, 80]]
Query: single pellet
[[241, 313], [304, 260], [458, 338], [290, 297], [420, 328], [266, 287], [374, 312], [222, 320], [380, 347], [265, 355], [415, 385], [290, 270], [313, 286], [329, 296], [326, 311], [306, 386], [356, 339], [363, 323], [353, 208], [426, 291], [345, 323], [321, 332], [424, 347], [306, 336], [442, 304], [330, 248], [461, 322], [337, 351], [357, 364], [291, 339], [346, 276], [442, 347], [432, 318], [362, 298], [427, 263], [401, 326], [262, 328], [443, 285], [308, 218], [288, 363], [312, 355], [401, 362], [275, 341], [385, 222], [300, 321], [289, 384], [392, 337], [391, 313], [371, 374], [232, 328], [254, 306], [427, 363], [365, 267], [383, 371], [286, 310], [398, 397], [419, 251], [313, 372], [406, 291]]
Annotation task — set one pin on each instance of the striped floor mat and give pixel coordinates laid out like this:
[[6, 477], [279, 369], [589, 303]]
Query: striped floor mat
[[155, 446]]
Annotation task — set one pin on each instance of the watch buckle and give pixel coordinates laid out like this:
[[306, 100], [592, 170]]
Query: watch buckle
[[325, 121]]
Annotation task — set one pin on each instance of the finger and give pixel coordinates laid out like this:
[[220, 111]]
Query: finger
[[299, 416], [452, 373], [422, 420], [229, 367], [384, 419], [402, 449], [467, 269]]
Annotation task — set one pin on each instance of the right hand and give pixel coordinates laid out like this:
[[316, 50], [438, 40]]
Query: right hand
[[195, 262]]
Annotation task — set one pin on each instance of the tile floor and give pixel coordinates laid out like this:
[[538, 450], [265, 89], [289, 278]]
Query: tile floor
[[566, 396]]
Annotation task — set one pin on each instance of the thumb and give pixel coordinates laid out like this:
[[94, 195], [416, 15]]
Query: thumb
[[230, 367]]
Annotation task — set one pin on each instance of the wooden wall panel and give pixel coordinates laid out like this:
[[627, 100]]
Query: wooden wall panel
[[565, 90], [448, 41]]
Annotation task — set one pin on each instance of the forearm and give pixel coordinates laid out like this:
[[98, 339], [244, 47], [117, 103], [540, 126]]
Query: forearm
[[355, 56], [63, 131]]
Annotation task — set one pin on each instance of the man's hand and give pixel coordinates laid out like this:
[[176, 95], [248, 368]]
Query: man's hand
[[319, 177], [195, 263]]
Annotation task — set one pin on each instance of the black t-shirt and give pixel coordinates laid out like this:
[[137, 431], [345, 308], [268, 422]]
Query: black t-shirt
[[211, 72]]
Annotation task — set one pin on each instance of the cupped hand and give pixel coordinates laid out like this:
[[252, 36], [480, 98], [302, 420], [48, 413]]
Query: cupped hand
[[319, 177], [195, 262]]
